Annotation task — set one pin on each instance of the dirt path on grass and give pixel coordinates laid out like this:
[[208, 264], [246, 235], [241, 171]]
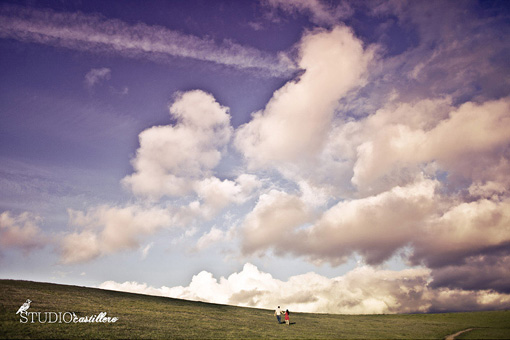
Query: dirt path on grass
[[453, 336]]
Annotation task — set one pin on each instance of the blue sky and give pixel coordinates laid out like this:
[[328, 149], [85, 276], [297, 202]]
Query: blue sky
[[321, 155]]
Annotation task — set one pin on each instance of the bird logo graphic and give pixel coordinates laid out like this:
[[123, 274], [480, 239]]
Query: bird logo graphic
[[24, 307]]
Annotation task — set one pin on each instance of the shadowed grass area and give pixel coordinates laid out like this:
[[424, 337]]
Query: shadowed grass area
[[143, 316]]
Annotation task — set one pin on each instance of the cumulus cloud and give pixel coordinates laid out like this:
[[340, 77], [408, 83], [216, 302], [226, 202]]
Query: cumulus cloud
[[94, 33], [399, 144], [21, 232], [216, 194], [454, 239], [97, 75], [464, 230], [105, 230], [362, 290], [296, 120], [171, 158], [272, 223], [178, 160], [466, 149], [214, 236], [375, 227], [134, 287], [413, 110]]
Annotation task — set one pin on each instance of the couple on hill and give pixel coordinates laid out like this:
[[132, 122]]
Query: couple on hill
[[278, 313]]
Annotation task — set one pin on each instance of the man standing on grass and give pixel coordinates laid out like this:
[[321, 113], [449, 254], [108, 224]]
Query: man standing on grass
[[277, 312]]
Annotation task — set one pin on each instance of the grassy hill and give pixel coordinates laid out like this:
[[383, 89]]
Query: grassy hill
[[142, 316]]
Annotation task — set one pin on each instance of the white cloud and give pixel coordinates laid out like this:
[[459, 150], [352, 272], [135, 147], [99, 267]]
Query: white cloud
[[106, 230], [464, 230], [360, 291], [21, 232], [215, 235], [450, 236], [216, 194], [298, 117], [93, 33], [272, 222], [134, 287], [97, 75], [391, 144], [171, 158], [80, 247], [179, 160], [375, 227]]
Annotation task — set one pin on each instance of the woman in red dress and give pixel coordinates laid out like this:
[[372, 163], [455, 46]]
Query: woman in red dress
[[287, 320]]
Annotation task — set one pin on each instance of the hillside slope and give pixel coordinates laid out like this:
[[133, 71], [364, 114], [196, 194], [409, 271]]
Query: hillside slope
[[142, 316]]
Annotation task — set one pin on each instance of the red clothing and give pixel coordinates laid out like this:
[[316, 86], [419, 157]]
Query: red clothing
[[286, 316]]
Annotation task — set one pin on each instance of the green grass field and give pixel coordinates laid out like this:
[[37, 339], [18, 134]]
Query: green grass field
[[142, 316]]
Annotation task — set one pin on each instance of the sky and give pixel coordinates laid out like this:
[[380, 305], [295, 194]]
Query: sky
[[324, 156]]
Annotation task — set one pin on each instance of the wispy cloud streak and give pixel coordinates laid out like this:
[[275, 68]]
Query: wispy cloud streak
[[97, 34]]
